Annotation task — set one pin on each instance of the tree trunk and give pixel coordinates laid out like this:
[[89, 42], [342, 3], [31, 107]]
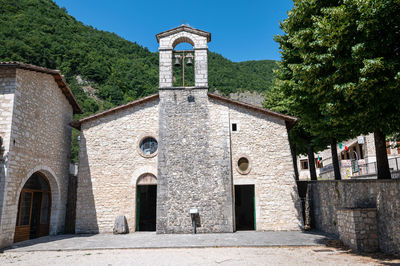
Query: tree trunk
[[294, 158], [382, 163], [311, 162], [335, 160]]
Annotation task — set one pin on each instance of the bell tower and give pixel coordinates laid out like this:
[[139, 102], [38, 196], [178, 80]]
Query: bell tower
[[183, 34], [194, 168]]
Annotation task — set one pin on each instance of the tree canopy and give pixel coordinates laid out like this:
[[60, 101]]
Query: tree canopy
[[340, 66]]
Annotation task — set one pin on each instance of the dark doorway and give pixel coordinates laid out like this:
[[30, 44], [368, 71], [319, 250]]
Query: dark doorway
[[146, 202], [244, 207], [33, 219]]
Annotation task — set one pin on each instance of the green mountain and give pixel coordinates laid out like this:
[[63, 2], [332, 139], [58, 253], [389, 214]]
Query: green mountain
[[41, 33], [113, 70]]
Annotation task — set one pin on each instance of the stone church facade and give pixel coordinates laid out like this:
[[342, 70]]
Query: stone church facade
[[159, 158], [36, 107]]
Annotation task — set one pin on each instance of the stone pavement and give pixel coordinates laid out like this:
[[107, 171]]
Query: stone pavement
[[146, 240]]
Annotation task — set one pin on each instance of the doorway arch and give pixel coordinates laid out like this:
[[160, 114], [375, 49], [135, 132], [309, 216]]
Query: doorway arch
[[34, 208], [146, 202]]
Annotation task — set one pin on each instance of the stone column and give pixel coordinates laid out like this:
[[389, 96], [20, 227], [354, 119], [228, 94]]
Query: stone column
[[165, 73], [201, 67]]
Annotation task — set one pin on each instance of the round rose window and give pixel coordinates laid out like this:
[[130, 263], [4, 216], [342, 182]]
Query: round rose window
[[148, 146]]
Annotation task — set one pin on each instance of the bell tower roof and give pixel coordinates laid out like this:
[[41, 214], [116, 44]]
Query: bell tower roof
[[185, 28]]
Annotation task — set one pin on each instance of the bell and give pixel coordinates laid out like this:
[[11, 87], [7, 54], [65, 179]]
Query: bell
[[177, 63], [189, 62]]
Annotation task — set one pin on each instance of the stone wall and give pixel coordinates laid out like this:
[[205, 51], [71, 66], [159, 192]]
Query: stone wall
[[39, 141], [263, 140], [168, 43], [7, 87], [358, 229], [194, 164], [329, 196], [110, 164]]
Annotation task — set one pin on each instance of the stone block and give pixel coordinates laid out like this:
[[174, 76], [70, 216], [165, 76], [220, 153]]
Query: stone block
[[120, 225]]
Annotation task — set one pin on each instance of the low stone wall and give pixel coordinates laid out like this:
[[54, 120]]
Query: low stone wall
[[358, 228], [327, 197]]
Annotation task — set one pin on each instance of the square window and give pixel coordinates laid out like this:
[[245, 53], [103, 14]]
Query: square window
[[304, 164]]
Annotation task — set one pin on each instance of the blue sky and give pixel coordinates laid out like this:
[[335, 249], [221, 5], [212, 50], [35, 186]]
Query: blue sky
[[240, 30]]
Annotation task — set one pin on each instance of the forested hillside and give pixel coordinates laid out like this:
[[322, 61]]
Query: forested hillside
[[115, 70]]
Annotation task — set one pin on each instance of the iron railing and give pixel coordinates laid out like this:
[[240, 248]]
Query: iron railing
[[366, 168]]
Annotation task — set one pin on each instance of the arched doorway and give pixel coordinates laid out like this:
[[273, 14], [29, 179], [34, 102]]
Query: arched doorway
[[34, 207], [146, 203]]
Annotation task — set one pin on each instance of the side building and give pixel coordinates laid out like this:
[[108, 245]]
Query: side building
[[36, 107], [357, 159]]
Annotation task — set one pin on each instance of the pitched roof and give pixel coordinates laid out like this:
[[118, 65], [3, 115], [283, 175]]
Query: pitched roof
[[62, 84], [77, 123], [183, 28], [291, 120]]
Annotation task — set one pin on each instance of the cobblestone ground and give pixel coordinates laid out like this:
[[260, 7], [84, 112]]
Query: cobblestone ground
[[198, 256]]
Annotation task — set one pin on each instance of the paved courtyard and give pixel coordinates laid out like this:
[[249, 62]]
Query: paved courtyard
[[240, 248], [153, 240], [195, 256]]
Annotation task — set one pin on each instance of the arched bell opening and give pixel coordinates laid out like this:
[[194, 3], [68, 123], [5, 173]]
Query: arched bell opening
[[34, 208], [146, 202], [183, 62]]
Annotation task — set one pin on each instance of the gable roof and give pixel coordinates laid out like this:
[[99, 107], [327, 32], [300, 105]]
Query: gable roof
[[77, 123], [290, 120], [183, 28], [59, 79]]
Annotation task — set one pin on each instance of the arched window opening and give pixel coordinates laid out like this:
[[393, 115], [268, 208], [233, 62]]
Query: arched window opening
[[183, 63]]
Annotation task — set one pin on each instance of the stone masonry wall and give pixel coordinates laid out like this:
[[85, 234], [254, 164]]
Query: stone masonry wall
[[39, 141], [7, 87], [194, 167], [110, 164], [358, 229], [167, 44], [329, 196], [263, 140]]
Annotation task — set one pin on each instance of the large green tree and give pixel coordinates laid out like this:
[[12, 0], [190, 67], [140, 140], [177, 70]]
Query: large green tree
[[342, 64]]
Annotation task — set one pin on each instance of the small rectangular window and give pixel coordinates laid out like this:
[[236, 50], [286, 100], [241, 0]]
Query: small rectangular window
[[361, 151], [234, 127], [304, 164]]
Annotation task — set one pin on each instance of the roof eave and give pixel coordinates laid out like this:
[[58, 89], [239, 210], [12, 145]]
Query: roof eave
[[77, 123], [59, 79], [290, 120], [183, 28]]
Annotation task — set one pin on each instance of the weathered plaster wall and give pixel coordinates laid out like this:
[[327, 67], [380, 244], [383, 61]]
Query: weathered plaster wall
[[39, 141], [264, 141], [193, 163], [110, 164], [329, 196]]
